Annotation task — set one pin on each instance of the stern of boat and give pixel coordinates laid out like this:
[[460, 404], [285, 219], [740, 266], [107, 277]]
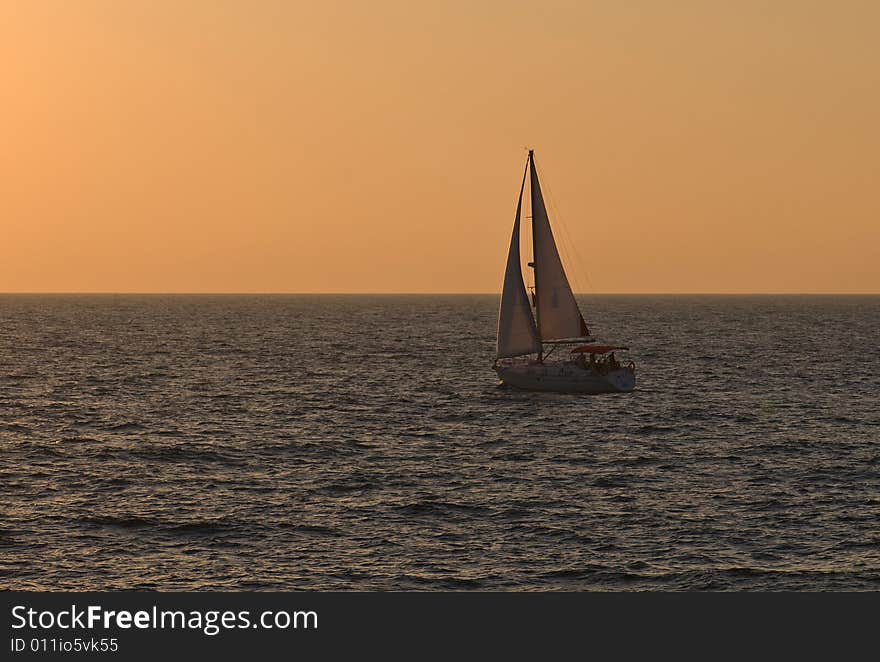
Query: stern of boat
[[623, 380]]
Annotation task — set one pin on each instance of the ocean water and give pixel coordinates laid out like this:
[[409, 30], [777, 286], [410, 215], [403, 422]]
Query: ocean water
[[361, 442]]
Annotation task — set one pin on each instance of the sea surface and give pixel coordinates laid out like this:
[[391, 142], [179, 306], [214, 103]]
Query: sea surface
[[362, 442]]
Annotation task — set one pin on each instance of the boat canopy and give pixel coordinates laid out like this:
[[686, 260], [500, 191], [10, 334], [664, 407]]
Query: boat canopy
[[596, 349]]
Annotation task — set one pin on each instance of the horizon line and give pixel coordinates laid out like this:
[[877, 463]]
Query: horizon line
[[342, 293]]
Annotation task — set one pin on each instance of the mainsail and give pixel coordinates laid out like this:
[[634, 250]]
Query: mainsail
[[517, 333], [556, 309]]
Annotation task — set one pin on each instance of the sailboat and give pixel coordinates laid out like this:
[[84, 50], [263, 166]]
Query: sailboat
[[534, 332]]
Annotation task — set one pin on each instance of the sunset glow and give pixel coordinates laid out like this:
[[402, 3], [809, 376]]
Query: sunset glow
[[276, 146]]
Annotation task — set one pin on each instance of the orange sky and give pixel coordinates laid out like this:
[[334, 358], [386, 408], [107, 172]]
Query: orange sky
[[377, 146]]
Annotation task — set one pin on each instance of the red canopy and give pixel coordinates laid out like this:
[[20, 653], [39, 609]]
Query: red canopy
[[596, 349]]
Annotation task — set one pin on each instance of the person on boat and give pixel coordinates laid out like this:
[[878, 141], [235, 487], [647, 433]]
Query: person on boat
[[612, 362]]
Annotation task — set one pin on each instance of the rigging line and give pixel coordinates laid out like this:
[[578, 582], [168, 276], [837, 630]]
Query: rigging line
[[569, 246], [561, 243], [578, 261], [562, 239]]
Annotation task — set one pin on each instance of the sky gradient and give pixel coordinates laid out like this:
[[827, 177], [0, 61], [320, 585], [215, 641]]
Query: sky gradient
[[277, 146]]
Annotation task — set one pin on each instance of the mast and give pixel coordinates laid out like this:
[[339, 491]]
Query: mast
[[532, 265]]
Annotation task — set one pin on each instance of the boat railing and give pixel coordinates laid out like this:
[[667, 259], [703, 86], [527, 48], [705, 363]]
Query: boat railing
[[515, 360], [603, 367]]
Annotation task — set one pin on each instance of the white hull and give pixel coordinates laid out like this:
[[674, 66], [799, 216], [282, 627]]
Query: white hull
[[565, 377]]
